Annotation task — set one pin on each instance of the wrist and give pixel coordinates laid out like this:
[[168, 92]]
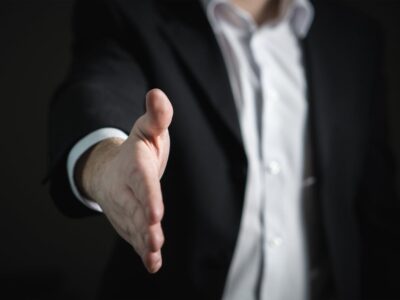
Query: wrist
[[91, 168]]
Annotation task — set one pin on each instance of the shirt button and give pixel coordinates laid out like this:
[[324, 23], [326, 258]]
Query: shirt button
[[309, 181], [273, 167], [275, 242]]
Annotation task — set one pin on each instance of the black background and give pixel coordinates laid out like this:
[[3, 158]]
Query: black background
[[42, 253]]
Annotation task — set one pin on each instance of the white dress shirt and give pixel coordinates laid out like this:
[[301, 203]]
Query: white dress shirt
[[267, 78]]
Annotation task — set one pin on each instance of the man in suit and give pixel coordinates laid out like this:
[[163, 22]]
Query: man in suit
[[278, 184]]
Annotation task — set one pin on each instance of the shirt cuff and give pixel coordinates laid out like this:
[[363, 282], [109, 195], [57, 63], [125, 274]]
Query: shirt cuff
[[79, 149]]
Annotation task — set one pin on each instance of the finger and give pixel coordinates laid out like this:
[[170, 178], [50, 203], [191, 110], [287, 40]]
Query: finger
[[146, 189], [146, 237], [154, 237], [158, 114], [153, 261], [128, 218]]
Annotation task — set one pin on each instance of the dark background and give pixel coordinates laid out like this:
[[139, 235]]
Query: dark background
[[42, 253]]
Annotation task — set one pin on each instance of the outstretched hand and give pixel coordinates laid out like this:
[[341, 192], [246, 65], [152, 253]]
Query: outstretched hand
[[123, 177]]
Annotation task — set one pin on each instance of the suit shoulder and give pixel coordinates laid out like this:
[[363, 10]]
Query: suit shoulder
[[345, 26], [346, 20], [116, 7]]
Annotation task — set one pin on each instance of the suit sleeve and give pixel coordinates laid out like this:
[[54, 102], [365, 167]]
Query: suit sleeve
[[105, 87]]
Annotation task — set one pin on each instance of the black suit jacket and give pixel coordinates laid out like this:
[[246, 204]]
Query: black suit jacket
[[123, 48]]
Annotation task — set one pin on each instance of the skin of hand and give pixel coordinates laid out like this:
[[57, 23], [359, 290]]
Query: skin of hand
[[123, 177]]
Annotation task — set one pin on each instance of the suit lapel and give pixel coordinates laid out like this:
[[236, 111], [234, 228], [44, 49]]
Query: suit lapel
[[333, 98], [336, 138], [186, 27]]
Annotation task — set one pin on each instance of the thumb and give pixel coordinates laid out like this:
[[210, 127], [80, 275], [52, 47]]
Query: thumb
[[158, 114]]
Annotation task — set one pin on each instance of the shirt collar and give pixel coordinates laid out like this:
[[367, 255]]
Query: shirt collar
[[299, 13]]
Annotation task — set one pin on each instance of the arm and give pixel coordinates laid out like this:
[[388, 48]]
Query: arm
[[105, 88]]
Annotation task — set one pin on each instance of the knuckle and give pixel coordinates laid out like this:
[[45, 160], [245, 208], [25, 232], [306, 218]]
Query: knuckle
[[156, 238], [157, 213], [159, 240]]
